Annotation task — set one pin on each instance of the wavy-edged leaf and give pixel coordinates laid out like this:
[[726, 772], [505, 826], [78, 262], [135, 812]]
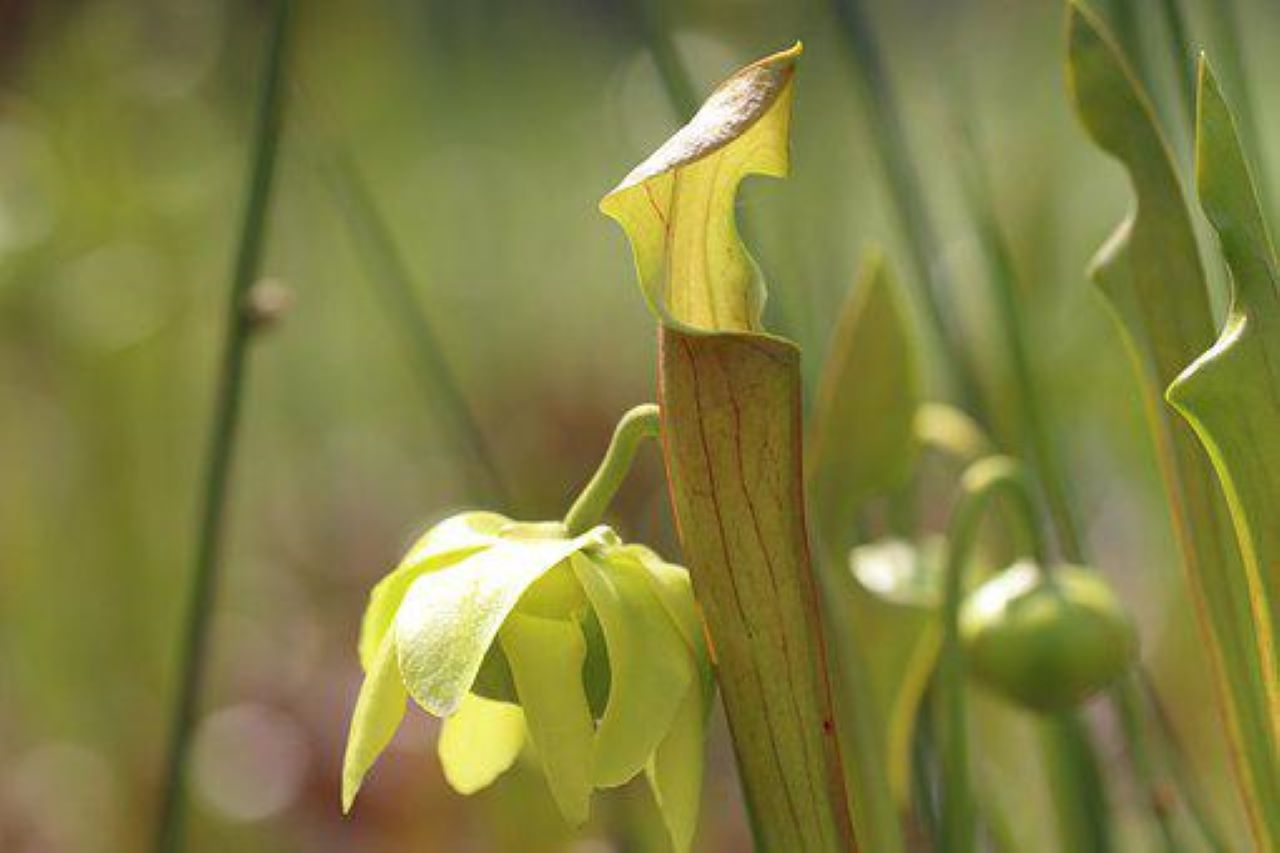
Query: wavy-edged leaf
[[1231, 394], [546, 662], [377, 715], [1151, 274], [862, 443], [449, 618], [650, 666], [479, 742], [444, 544], [677, 206]]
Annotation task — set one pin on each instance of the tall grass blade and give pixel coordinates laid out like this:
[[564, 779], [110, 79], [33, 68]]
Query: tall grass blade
[[909, 201], [223, 429], [389, 274]]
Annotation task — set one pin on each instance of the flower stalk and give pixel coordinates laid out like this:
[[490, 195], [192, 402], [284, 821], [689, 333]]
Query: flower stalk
[[981, 484], [637, 426]]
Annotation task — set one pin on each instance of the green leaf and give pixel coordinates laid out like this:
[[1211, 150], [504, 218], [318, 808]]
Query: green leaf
[[730, 410], [479, 742], [449, 618], [444, 544], [650, 666], [546, 661], [731, 426], [862, 443], [377, 715], [1231, 394], [1151, 274], [676, 206], [894, 607]]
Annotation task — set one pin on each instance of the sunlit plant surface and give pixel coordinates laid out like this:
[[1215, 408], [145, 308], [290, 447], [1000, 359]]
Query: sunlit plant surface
[[825, 665], [844, 577]]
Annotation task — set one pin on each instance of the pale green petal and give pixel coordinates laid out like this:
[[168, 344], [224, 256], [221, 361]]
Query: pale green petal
[[449, 618], [546, 658], [650, 664], [444, 544], [464, 531], [676, 768], [386, 597], [479, 742], [377, 714], [672, 586]]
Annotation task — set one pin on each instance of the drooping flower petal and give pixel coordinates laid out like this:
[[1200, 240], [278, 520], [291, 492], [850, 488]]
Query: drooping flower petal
[[672, 586], [479, 742], [651, 666], [546, 658], [449, 618], [377, 714], [675, 771], [443, 545]]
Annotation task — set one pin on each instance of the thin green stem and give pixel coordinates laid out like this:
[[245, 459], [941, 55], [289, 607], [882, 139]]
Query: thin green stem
[[1184, 56], [981, 483], [676, 81], [908, 199], [636, 426], [1184, 777], [1043, 448], [388, 272], [1077, 784], [239, 330], [925, 818], [1140, 754], [1127, 25], [1036, 435]]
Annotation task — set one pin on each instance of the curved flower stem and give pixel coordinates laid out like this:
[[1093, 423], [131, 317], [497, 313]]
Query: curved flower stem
[[240, 328], [636, 425], [982, 482], [1049, 469]]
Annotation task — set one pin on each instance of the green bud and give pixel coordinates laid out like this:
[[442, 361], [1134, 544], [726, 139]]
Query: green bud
[[1046, 640]]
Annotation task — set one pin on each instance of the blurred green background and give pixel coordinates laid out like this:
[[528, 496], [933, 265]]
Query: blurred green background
[[487, 131]]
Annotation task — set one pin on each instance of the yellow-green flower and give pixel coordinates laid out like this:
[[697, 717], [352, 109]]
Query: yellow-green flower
[[590, 648]]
